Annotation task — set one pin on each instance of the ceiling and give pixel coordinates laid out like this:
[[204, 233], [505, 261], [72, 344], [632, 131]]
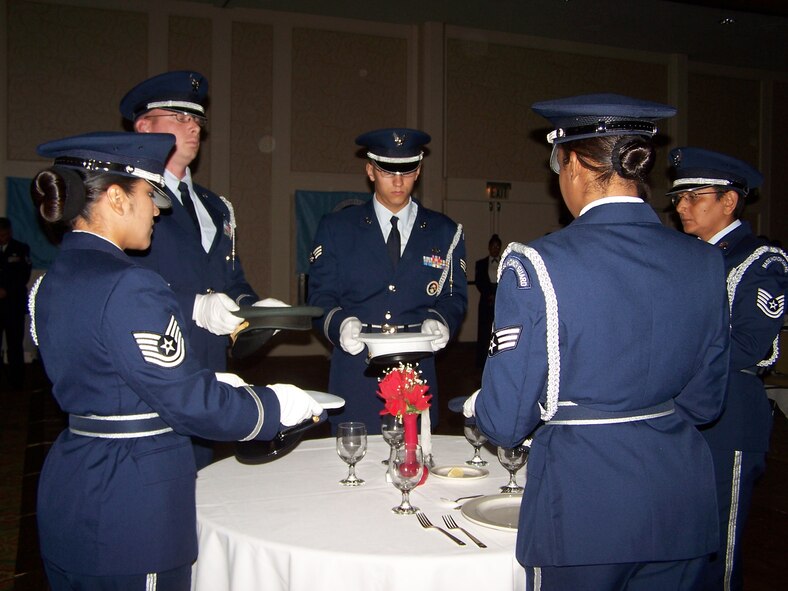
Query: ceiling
[[755, 37]]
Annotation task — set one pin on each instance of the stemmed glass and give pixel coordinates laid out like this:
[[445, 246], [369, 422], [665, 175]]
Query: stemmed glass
[[351, 447], [393, 431], [476, 438], [406, 467], [513, 458]]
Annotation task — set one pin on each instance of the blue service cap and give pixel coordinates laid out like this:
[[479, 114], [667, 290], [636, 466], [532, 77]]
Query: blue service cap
[[138, 155], [181, 91], [697, 168], [395, 150], [598, 115]]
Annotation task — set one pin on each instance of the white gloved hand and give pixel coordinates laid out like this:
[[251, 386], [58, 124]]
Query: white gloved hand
[[295, 405], [436, 328], [234, 380], [214, 313], [349, 331], [469, 407], [270, 303]]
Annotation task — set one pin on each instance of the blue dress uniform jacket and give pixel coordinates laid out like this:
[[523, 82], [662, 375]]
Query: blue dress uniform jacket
[[746, 421], [352, 275], [642, 320], [126, 506], [176, 253]]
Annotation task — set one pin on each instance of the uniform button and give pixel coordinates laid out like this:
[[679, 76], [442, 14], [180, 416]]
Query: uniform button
[[227, 258], [388, 315], [392, 288]]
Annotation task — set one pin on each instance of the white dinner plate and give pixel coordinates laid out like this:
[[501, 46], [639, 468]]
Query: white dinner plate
[[450, 472], [399, 342], [326, 400], [495, 511]]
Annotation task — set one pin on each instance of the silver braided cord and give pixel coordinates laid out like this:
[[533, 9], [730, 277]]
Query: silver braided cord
[[31, 307], [734, 278], [551, 320], [449, 265], [231, 209]]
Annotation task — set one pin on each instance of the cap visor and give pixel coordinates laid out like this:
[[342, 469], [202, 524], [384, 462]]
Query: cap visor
[[397, 167], [160, 197], [688, 187]]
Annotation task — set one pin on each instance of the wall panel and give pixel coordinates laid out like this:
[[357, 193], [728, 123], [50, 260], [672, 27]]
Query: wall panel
[[343, 84], [492, 132], [251, 147], [68, 71], [189, 48]]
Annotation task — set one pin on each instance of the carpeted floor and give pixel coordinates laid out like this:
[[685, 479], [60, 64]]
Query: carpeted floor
[[30, 420]]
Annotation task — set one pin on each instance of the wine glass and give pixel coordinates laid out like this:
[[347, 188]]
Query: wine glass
[[351, 447], [476, 438], [513, 458], [406, 467], [393, 431]]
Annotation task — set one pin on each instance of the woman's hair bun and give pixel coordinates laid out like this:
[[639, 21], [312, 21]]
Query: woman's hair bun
[[633, 157]]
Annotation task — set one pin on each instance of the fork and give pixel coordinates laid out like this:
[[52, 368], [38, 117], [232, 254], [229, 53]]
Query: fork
[[451, 524], [427, 524]]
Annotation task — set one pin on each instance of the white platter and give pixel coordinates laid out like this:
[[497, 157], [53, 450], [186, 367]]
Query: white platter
[[326, 400], [496, 511], [400, 342], [468, 472]]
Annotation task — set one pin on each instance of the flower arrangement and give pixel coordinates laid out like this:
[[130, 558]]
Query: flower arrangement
[[404, 391]]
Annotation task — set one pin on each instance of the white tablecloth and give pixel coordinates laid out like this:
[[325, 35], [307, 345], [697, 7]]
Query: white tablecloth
[[289, 525]]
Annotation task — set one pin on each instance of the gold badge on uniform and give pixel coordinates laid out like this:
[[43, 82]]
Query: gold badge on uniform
[[432, 288]]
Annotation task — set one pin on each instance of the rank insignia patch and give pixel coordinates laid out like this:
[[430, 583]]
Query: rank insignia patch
[[504, 339], [316, 253], [523, 280], [166, 350], [772, 306], [462, 265], [434, 261]]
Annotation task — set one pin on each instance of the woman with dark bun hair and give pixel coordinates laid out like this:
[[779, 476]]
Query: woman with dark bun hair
[[116, 494], [610, 344]]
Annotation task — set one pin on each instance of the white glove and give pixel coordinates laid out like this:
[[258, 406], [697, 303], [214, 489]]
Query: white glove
[[436, 328], [214, 312], [295, 405], [469, 407], [349, 331], [270, 303], [234, 380]]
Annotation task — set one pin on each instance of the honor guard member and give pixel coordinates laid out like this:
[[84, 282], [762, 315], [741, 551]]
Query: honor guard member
[[709, 192], [610, 339], [390, 265], [116, 505], [15, 267], [194, 245]]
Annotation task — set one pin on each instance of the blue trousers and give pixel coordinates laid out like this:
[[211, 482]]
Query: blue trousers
[[177, 579], [735, 473], [679, 575]]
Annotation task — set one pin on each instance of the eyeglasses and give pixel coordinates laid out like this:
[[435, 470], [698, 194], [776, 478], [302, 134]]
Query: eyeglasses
[[183, 118], [691, 196]]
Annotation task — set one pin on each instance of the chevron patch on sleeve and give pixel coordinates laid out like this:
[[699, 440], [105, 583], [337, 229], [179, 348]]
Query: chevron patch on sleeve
[[315, 254], [772, 306], [504, 339], [166, 350]]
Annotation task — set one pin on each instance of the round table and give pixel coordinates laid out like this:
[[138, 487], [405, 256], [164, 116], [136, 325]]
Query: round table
[[290, 525]]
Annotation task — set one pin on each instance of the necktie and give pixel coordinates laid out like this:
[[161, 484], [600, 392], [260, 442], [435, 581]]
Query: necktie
[[393, 243], [188, 204]]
